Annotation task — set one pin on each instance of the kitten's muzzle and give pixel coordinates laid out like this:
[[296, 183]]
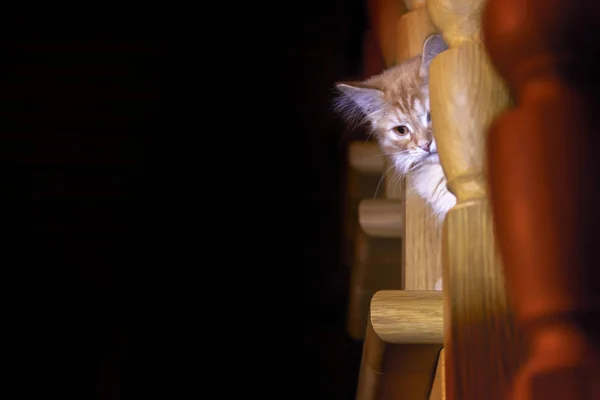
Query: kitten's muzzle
[[426, 146]]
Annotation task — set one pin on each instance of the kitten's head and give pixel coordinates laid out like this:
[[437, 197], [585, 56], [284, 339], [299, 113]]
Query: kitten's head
[[396, 103]]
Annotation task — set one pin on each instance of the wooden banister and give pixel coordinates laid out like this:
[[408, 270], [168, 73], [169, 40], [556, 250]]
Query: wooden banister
[[374, 226], [396, 364], [366, 158], [408, 316], [422, 230], [411, 29], [438, 389], [382, 218], [404, 335], [375, 267], [363, 180], [375, 230], [543, 172], [482, 349], [382, 16], [374, 261]]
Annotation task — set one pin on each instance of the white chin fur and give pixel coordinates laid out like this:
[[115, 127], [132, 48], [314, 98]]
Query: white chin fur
[[432, 158], [430, 183]]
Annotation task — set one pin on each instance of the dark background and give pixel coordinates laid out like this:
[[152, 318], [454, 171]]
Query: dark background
[[76, 118], [328, 50]]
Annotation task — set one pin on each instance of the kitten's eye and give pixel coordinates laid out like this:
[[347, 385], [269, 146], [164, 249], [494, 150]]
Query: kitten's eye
[[428, 116], [401, 130]]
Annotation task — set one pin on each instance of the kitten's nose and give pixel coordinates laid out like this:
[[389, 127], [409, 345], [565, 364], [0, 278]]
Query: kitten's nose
[[425, 145]]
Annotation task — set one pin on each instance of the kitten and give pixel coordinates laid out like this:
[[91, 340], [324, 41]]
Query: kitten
[[396, 103]]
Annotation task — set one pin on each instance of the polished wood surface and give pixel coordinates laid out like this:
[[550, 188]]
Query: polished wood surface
[[543, 174], [438, 389], [408, 316], [482, 349], [422, 230]]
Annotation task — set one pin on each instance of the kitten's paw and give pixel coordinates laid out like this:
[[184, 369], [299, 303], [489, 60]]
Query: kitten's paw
[[443, 203]]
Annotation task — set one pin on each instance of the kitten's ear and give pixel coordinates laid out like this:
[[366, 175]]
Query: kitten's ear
[[358, 96], [432, 46]]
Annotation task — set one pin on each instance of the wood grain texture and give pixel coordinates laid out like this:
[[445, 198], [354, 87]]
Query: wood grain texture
[[378, 249], [408, 316], [422, 245], [458, 20], [482, 349], [378, 246], [544, 195], [401, 370]]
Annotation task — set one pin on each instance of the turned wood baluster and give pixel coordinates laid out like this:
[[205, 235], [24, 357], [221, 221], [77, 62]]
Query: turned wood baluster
[[482, 350], [382, 16], [422, 230], [544, 176]]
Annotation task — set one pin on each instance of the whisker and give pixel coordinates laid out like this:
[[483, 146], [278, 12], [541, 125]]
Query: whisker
[[381, 180], [372, 131], [384, 154], [398, 179]]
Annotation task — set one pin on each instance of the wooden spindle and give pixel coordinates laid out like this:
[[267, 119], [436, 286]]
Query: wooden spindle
[[394, 367], [382, 15], [481, 347], [372, 272], [412, 29], [375, 267], [438, 389], [545, 188], [422, 230], [374, 261], [373, 62], [365, 166], [402, 345]]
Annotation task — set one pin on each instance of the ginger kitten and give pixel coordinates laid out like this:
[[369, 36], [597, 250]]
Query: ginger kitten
[[396, 104]]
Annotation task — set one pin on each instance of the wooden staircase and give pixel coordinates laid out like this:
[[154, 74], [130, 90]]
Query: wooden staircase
[[517, 253]]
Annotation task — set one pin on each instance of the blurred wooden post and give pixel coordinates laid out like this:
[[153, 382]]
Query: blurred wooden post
[[373, 62], [365, 161], [365, 166], [438, 389], [374, 244], [481, 347], [376, 265], [544, 179], [382, 15], [401, 348]]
